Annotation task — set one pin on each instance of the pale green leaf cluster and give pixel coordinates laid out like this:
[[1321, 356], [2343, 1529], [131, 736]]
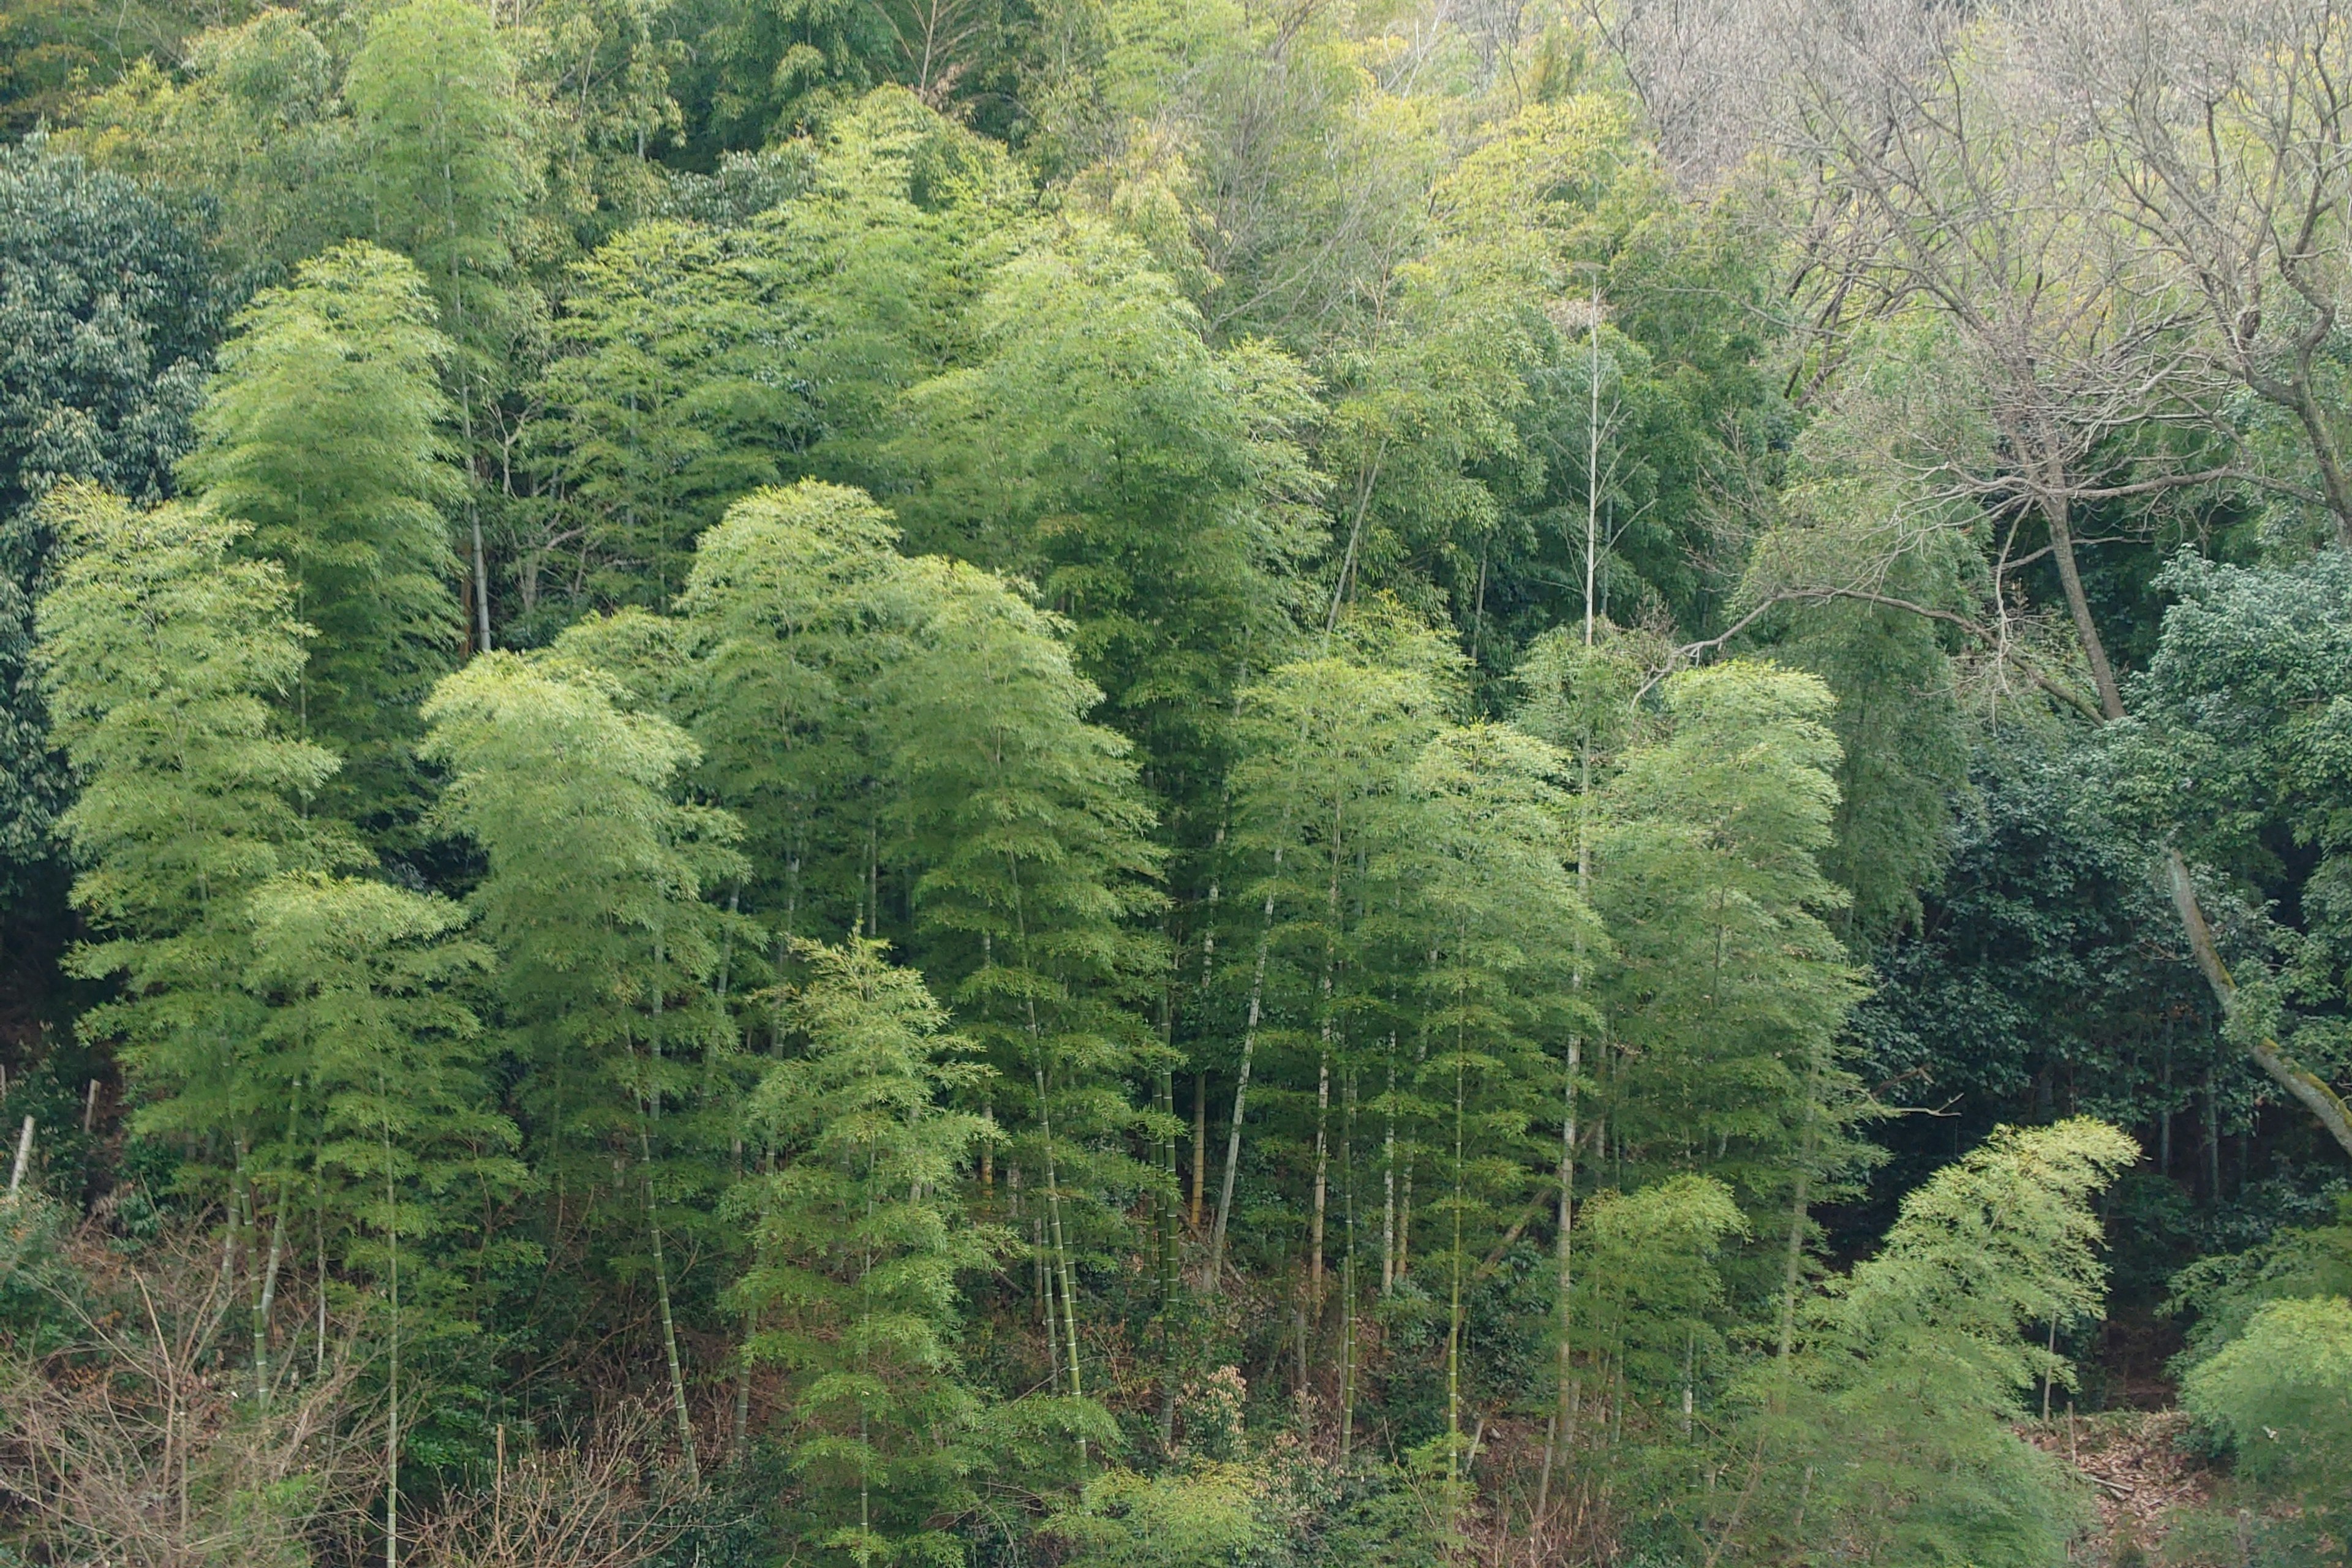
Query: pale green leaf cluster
[[1887, 1425], [859, 1244], [1733, 989], [326, 431]]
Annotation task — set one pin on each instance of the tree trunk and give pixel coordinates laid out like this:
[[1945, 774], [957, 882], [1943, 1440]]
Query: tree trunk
[[1200, 1074], [1241, 1089], [740, 1432], [265, 1285], [1561, 1436], [668, 1322], [2313, 1091], [2317, 1095], [1054, 1226], [265, 1298], [649, 1109], [1322, 1183], [1347, 1273], [1389, 1178], [474, 519], [391, 1379], [1166, 1218], [2078, 607], [1200, 1143], [1323, 1090], [1454, 1305], [1792, 1265]]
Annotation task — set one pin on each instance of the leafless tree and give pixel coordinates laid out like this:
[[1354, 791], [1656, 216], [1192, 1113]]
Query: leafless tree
[[1953, 186], [2226, 133], [1947, 180], [937, 39], [129, 1440], [131, 1445], [1719, 79], [603, 1504]]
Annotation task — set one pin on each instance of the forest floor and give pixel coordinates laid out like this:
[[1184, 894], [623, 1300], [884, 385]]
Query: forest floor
[[2140, 1474]]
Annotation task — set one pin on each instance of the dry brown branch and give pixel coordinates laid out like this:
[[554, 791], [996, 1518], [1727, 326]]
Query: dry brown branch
[[2225, 135], [131, 1445], [606, 1504]]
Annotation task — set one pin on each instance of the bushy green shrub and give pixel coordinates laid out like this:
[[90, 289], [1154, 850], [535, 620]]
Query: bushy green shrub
[[2282, 1393]]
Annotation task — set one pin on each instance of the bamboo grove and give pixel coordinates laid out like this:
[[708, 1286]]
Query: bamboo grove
[[939, 781]]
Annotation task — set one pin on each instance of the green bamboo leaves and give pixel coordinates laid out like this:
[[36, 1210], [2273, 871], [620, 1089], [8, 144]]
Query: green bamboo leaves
[[1891, 1418], [861, 1241], [325, 431], [164, 658], [1727, 1009]]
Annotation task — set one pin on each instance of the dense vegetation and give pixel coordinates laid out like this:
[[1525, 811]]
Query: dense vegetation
[[1168, 783]]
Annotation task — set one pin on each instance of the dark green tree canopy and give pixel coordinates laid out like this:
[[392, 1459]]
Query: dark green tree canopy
[[107, 318]]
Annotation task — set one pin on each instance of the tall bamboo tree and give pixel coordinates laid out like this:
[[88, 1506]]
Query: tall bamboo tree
[[667, 406], [594, 898], [165, 660], [324, 429], [1488, 864], [860, 1237], [1318, 799], [392, 1149], [444, 177], [1727, 1010], [1033, 838]]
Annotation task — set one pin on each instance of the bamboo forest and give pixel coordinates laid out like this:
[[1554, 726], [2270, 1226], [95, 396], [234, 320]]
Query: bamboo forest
[[1175, 784]]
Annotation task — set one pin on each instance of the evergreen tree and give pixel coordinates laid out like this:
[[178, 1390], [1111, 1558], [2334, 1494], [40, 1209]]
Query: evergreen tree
[[669, 405], [797, 606], [1902, 758], [432, 91], [860, 1235], [1201, 1517], [1892, 1420], [1036, 864], [2116, 1025], [391, 1141], [2281, 1393], [2237, 749], [444, 177], [1232, 396], [1321, 787], [1091, 441], [616, 64], [1150, 486], [907, 742], [109, 311], [1649, 1322], [1496, 905], [1582, 694], [879, 262], [324, 431], [1323, 809], [250, 123], [1902, 736], [301, 1028], [379, 1064], [767, 70], [53, 51]]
